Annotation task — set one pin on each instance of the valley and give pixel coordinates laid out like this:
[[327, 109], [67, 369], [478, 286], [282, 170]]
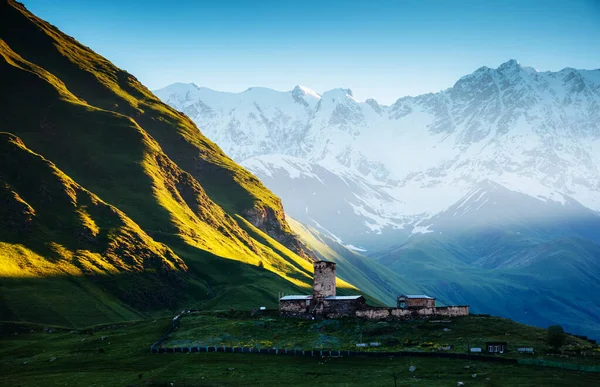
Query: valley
[[121, 207]]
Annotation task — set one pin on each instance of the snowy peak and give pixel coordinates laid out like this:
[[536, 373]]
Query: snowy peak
[[338, 95], [486, 195], [305, 92], [511, 66]]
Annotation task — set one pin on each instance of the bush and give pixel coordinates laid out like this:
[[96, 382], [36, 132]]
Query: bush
[[556, 336]]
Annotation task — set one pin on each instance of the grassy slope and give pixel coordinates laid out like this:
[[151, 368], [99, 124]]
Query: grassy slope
[[95, 80], [125, 357], [105, 133], [56, 231]]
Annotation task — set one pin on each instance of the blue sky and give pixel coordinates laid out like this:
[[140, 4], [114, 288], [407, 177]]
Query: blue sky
[[379, 49]]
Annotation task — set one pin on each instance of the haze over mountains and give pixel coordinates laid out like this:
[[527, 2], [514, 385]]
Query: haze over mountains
[[466, 191]]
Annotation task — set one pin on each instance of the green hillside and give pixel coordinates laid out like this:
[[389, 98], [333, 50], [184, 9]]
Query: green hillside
[[114, 205], [556, 282]]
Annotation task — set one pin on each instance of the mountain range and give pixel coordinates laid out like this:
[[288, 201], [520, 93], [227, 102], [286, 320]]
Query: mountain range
[[476, 193], [533, 132]]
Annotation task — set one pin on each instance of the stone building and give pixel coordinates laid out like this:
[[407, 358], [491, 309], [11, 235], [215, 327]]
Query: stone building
[[415, 301], [325, 303]]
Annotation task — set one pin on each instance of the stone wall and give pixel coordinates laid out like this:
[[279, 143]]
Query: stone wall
[[452, 311], [324, 279], [294, 308], [420, 303], [342, 308], [374, 313]]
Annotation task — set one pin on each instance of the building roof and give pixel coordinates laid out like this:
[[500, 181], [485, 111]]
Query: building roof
[[343, 297], [287, 298], [417, 296]]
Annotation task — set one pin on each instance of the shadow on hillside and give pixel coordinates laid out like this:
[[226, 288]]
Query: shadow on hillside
[[211, 282]]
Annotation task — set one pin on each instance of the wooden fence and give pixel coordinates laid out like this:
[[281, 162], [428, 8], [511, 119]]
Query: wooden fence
[[327, 353]]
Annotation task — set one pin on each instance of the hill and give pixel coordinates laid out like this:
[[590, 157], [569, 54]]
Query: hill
[[114, 201], [548, 283]]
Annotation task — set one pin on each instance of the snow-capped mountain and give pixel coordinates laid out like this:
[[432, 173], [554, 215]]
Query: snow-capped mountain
[[533, 132]]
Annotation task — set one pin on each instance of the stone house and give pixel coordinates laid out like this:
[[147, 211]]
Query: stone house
[[415, 301]]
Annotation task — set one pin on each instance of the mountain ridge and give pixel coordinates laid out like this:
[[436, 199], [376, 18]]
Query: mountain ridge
[[461, 135], [511, 63]]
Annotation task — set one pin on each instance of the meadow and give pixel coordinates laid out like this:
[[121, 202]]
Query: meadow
[[118, 354]]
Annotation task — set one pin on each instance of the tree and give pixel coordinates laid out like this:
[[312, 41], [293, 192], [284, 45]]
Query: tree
[[556, 336]]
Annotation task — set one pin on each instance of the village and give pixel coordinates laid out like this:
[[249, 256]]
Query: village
[[324, 303], [324, 324]]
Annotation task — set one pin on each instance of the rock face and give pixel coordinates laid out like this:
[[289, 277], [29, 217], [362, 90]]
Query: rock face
[[533, 132]]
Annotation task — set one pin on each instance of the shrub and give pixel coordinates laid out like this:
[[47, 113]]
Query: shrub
[[391, 342]]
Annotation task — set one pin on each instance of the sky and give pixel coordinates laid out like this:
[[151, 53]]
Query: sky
[[379, 49]]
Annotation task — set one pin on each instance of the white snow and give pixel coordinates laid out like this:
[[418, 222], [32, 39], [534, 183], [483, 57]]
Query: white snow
[[354, 248], [421, 230], [310, 92]]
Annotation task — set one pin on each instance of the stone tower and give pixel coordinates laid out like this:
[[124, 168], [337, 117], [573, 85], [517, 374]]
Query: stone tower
[[324, 280]]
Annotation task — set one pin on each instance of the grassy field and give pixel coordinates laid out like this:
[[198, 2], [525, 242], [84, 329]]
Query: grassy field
[[268, 330], [118, 355]]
